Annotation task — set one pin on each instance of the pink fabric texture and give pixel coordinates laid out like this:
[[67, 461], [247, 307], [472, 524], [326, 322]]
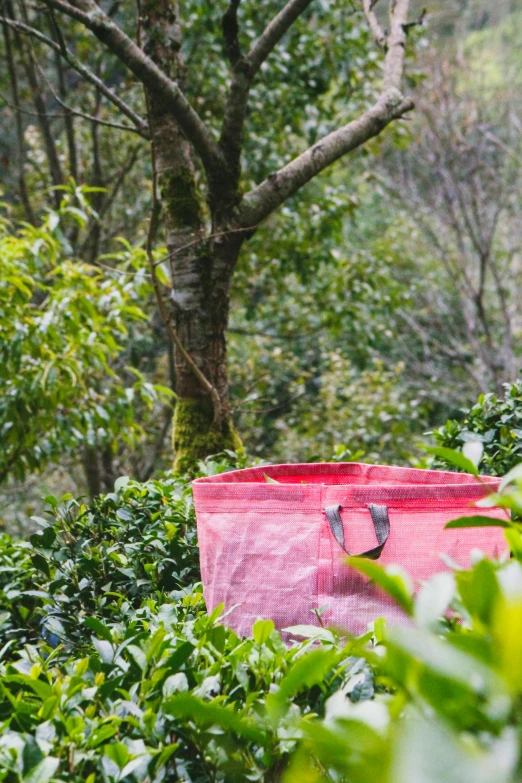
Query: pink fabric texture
[[267, 549]]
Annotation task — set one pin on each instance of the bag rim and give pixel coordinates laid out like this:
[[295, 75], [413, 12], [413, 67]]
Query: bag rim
[[369, 484]]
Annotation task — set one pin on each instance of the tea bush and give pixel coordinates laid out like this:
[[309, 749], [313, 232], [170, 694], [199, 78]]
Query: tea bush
[[111, 670], [494, 422], [98, 561]]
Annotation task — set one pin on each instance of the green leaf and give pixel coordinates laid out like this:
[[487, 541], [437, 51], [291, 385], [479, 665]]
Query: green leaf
[[426, 751], [270, 480], [138, 655], [102, 733], [166, 754], [41, 564], [31, 754], [473, 450], [514, 540], [175, 661], [105, 649], [515, 474], [307, 671], [208, 714], [99, 628], [507, 628], [442, 658], [43, 772], [162, 276], [261, 630], [118, 753], [455, 458], [479, 590], [477, 521], [391, 582], [433, 599], [311, 632]]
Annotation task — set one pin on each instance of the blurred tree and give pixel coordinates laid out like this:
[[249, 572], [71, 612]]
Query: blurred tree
[[204, 170], [458, 192]]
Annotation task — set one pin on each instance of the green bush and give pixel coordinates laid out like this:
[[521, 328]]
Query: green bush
[[101, 560], [111, 670], [494, 422]]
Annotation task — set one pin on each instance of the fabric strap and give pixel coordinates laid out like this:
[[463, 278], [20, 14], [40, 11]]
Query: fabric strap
[[381, 524]]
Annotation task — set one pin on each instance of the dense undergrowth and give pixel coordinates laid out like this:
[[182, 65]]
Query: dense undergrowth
[[111, 670]]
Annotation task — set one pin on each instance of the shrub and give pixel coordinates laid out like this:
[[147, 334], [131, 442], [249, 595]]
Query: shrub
[[496, 423], [112, 671], [101, 560], [115, 672]]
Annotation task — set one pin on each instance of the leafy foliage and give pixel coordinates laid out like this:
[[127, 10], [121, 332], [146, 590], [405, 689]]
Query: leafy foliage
[[123, 674], [101, 560], [113, 671], [314, 334], [494, 422], [63, 326]]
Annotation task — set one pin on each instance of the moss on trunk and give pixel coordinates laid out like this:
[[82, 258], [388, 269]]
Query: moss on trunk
[[181, 199], [195, 435]]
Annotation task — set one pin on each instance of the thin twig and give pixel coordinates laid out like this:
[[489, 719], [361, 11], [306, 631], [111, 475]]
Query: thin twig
[[90, 117], [201, 240], [74, 63]]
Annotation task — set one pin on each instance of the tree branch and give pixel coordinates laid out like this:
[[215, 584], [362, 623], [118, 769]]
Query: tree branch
[[393, 41], [270, 194], [13, 79], [69, 119], [230, 29], [391, 105], [273, 33], [245, 68], [88, 75], [396, 45], [376, 30], [147, 72], [77, 113], [29, 63]]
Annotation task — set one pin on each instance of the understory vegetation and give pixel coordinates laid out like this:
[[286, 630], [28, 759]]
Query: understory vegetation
[[112, 670]]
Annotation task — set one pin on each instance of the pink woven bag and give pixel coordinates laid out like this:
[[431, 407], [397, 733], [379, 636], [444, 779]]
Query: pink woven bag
[[277, 550]]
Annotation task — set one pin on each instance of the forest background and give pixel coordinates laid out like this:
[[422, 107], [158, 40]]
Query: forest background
[[365, 312]]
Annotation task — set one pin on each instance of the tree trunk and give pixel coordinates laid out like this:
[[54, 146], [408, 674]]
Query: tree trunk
[[201, 293], [201, 267], [91, 468]]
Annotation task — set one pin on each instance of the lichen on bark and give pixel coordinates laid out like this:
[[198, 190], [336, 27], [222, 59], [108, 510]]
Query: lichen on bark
[[195, 435]]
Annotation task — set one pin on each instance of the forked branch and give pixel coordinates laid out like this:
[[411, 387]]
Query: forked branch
[[245, 69], [391, 105]]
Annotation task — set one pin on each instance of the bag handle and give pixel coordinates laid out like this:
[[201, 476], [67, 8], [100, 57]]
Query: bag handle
[[380, 521]]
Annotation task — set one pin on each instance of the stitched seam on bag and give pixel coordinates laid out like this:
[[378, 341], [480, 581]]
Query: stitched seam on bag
[[204, 509], [358, 509]]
